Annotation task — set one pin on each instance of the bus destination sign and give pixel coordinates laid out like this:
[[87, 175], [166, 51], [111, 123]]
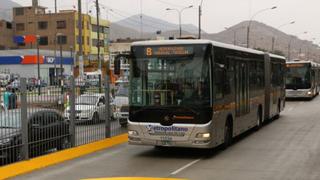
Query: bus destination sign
[[169, 51], [295, 65]]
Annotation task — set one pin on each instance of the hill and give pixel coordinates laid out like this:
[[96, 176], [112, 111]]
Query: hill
[[260, 36], [152, 24]]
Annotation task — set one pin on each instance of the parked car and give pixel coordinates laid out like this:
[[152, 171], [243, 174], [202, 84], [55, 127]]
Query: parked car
[[121, 102], [47, 130], [89, 107]]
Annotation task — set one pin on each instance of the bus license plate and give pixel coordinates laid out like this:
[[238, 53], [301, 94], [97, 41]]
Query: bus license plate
[[166, 141]]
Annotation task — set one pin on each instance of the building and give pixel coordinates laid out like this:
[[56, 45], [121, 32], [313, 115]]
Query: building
[[6, 35], [117, 48], [25, 64], [61, 28]]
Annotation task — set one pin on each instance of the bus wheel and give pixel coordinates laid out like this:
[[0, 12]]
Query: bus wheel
[[227, 134], [259, 120]]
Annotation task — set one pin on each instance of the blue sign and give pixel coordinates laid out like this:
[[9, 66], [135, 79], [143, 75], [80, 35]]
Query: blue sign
[[56, 60]]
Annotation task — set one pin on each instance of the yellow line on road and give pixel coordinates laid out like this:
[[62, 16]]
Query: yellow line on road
[[135, 178], [59, 157]]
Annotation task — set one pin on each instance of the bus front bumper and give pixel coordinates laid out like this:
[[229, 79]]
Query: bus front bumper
[[301, 93], [197, 136]]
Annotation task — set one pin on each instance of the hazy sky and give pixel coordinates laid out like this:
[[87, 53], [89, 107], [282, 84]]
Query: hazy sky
[[217, 14]]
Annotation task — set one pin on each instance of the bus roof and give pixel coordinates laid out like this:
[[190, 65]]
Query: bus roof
[[200, 41], [277, 56], [193, 41]]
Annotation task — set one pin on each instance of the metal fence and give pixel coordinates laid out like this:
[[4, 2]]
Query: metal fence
[[40, 119]]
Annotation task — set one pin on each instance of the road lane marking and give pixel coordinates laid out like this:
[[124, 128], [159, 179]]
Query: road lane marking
[[185, 167], [134, 178]]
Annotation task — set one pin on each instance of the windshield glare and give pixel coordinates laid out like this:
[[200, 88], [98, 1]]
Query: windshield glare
[[171, 81], [86, 100]]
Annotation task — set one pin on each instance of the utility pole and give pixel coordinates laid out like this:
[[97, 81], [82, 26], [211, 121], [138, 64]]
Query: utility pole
[[55, 6], [141, 21], [99, 44], [55, 46], [200, 14], [80, 39]]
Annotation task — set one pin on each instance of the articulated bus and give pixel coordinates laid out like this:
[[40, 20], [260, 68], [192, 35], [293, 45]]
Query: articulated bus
[[199, 93], [302, 79]]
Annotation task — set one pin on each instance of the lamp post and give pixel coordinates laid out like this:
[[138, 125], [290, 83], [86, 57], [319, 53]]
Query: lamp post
[[180, 13], [59, 37], [290, 41], [38, 64], [273, 36], [251, 19], [200, 14]]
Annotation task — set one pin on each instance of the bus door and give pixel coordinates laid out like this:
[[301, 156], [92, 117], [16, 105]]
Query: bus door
[[242, 93]]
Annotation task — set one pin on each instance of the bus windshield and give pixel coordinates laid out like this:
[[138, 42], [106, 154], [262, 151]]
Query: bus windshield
[[168, 79], [298, 76]]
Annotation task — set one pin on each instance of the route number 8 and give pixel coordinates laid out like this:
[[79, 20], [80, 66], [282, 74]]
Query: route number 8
[[149, 52]]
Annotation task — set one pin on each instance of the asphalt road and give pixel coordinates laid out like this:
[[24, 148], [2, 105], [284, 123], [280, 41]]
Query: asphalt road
[[285, 149]]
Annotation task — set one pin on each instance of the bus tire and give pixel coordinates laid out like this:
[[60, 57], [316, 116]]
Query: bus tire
[[227, 134], [259, 119]]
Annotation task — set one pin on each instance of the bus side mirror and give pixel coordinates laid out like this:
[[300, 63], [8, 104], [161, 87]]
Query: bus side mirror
[[117, 62]]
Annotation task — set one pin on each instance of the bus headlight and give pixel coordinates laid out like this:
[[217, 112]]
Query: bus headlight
[[203, 135], [309, 93], [133, 133]]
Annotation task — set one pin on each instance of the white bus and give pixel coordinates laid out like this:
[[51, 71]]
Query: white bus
[[302, 79], [199, 93]]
